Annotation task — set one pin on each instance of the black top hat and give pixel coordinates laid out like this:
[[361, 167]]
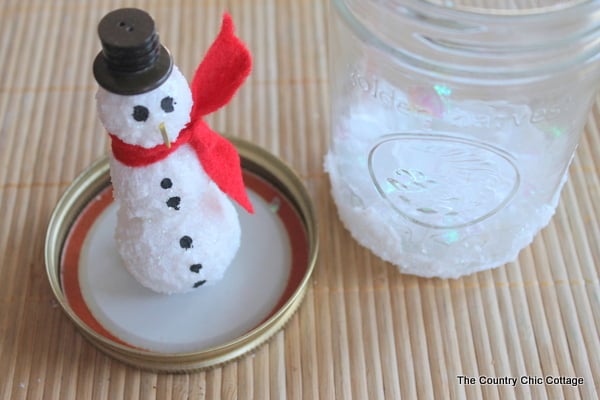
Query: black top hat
[[132, 60]]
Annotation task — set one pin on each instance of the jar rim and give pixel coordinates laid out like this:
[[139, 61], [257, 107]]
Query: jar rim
[[469, 46], [499, 14]]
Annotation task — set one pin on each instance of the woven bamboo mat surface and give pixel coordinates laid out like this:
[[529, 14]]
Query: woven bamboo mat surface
[[364, 331]]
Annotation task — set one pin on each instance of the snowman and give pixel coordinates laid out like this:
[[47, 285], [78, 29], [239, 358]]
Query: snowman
[[172, 176]]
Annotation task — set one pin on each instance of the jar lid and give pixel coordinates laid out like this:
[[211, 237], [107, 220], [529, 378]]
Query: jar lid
[[261, 290]]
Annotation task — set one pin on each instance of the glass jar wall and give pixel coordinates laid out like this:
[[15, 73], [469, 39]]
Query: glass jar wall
[[453, 125]]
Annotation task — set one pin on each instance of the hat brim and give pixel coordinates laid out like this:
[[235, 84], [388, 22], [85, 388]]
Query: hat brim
[[131, 83]]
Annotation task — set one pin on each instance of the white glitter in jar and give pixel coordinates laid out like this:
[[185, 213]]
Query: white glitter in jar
[[439, 204]]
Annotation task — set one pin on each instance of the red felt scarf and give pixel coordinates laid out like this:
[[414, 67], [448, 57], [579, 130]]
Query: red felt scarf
[[217, 156], [224, 68]]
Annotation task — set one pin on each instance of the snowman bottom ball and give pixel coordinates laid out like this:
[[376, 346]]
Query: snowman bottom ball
[[176, 230], [176, 255]]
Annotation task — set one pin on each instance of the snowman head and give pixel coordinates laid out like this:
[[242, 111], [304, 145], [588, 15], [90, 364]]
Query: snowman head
[[137, 119]]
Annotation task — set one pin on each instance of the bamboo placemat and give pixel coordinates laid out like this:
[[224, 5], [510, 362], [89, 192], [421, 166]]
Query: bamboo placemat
[[364, 331]]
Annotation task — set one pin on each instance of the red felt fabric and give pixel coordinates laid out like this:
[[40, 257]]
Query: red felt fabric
[[138, 156], [225, 67], [218, 157], [223, 70]]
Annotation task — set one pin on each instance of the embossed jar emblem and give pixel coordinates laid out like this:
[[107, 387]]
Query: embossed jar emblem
[[441, 181]]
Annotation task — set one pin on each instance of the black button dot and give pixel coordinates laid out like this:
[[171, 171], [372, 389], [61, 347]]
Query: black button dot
[[173, 202], [166, 183], [185, 242], [199, 283], [196, 268]]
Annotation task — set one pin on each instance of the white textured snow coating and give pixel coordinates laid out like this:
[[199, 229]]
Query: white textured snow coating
[[116, 112], [440, 205], [175, 230]]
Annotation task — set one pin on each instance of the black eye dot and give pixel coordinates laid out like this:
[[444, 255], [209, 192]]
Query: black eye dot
[[167, 104], [140, 113]]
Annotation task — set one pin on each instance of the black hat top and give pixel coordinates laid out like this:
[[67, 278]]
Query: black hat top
[[132, 60]]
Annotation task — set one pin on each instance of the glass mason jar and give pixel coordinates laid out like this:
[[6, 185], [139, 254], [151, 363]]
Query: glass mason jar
[[453, 125]]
